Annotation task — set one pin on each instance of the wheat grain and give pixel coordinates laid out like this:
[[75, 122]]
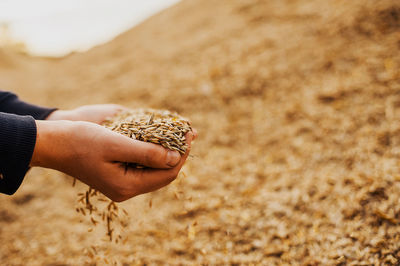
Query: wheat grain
[[156, 126]]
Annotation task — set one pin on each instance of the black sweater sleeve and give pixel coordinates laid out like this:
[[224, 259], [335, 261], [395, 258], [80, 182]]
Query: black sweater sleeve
[[10, 103], [17, 139]]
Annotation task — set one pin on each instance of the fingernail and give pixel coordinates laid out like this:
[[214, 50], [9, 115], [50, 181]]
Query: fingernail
[[173, 158]]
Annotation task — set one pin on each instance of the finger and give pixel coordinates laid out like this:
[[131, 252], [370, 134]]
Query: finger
[[124, 149], [147, 180], [111, 111], [116, 107]]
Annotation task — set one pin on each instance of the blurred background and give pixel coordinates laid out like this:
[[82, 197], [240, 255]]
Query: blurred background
[[56, 28], [297, 104]]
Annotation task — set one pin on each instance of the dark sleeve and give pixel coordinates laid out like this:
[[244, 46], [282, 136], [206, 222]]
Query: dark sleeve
[[17, 139], [17, 142], [10, 103]]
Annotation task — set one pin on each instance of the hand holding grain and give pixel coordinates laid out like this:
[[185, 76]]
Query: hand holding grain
[[95, 155]]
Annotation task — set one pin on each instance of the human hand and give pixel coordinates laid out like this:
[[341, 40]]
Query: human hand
[[97, 113], [95, 155]]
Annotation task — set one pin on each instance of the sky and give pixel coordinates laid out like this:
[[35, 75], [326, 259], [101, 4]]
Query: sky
[[58, 27]]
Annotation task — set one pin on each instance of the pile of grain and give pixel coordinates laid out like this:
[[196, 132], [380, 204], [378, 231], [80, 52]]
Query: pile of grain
[[298, 108]]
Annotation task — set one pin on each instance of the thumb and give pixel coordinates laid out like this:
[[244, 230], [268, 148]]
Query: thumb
[[125, 149]]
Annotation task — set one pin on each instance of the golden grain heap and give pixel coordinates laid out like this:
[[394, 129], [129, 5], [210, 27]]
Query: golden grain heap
[[156, 126]]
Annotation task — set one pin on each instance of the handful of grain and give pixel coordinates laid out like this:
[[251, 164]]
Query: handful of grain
[[156, 126]]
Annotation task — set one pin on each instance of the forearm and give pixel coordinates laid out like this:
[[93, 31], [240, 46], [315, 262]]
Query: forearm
[[51, 143]]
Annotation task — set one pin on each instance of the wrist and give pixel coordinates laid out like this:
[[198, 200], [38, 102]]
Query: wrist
[[51, 136]]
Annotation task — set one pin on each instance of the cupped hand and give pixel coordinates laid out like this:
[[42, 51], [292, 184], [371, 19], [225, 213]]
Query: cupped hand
[[97, 157], [97, 113]]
